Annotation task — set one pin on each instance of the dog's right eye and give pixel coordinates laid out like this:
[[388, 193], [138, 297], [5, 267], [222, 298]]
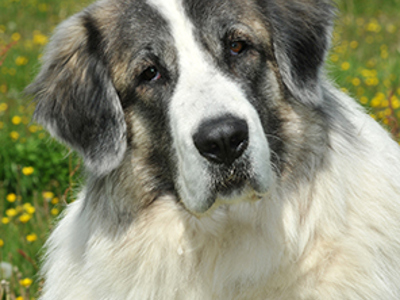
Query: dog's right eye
[[237, 47], [151, 74]]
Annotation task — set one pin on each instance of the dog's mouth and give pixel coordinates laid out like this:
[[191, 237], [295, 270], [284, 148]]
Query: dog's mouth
[[229, 185], [230, 181]]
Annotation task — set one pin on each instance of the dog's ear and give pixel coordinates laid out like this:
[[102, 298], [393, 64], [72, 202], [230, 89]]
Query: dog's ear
[[76, 100], [301, 33]]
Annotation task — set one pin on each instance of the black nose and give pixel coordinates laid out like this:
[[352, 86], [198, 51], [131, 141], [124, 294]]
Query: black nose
[[222, 140]]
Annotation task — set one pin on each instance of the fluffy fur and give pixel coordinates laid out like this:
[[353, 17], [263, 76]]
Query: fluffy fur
[[318, 214]]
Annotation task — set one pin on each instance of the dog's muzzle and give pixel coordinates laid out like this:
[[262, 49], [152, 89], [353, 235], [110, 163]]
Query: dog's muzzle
[[222, 140]]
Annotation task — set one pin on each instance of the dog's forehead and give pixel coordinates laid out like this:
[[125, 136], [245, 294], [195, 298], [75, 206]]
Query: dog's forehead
[[154, 17], [190, 21], [138, 24], [204, 14]]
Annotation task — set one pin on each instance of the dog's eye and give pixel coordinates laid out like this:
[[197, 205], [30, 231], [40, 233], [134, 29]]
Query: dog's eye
[[237, 47], [151, 74]]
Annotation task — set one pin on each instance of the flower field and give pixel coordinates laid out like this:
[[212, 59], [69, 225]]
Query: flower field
[[38, 176]]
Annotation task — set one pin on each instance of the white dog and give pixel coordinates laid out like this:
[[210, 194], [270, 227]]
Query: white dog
[[221, 163]]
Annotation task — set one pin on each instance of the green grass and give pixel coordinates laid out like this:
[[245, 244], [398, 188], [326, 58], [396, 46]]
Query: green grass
[[38, 175]]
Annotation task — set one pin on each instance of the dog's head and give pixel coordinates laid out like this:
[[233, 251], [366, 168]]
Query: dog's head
[[195, 87]]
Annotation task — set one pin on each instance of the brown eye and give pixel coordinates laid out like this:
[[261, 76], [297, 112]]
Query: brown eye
[[151, 74], [237, 47]]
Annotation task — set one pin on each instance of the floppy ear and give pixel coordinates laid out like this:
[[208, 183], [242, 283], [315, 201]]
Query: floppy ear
[[76, 99], [301, 33]]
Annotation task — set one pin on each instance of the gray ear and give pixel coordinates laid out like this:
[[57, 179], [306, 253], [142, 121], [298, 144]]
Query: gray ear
[[301, 37], [76, 99]]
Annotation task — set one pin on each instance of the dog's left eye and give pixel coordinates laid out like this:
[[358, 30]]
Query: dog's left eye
[[237, 47], [151, 74]]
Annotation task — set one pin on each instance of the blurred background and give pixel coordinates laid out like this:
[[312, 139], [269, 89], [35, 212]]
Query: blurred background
[[38, 176]]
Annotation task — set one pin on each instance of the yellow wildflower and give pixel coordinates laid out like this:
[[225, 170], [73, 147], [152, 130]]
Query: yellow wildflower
[[372, 81], [345, 66], [24, 218], [381, 96], [28, 171], [375, 102], [384, 54], [14, 135], [26, 282], [373, 26], [29, 208], [39, 38], [1, 243], [11, 212], [381, 114], [356, 81], [334, 57], [366, 73], [395, 102], [54, 211], [33, 128], [364, 100], [354, 44], [16, 36], [5, 220], [11, 197], [21, 61], [31, 237], [3, 106], [385, 103], [3, 88], [55, 200], [48, 195], [16, 120]]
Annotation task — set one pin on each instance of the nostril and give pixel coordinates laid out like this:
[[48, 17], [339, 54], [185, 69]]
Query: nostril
[[238, 139], [222, 140]]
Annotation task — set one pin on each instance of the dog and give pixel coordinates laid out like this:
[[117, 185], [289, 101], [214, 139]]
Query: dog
[[221, 162]]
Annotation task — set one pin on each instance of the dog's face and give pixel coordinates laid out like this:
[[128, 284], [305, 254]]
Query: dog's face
[[200, 91]]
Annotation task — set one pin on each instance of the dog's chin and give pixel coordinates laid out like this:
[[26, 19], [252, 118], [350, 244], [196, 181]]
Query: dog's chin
[[228, 193]]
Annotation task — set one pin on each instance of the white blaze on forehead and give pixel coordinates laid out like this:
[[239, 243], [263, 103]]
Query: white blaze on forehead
[[173, 12]]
